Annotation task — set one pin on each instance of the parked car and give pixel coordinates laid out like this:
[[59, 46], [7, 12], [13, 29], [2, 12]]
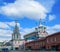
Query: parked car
[[4, 50]]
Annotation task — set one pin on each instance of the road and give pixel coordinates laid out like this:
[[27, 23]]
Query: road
[[32, 51], [24, 51], [16, 51]]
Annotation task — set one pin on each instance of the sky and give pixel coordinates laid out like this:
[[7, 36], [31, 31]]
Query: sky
[[28, 14]]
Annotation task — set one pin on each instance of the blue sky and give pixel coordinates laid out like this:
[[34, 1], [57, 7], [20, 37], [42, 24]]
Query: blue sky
[[28, 13]]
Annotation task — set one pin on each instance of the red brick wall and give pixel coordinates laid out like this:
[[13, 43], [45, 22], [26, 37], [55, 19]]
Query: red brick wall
[[47, 42]]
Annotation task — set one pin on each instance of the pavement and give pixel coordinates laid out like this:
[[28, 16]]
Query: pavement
[[22, 51], [31, 51], [16, 51]]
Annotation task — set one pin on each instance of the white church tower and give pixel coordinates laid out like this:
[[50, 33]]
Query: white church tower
[[41, 30], [16, 37]]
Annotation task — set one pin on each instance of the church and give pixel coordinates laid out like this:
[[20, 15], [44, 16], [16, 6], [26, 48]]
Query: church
[[16, 38], [16, 43]]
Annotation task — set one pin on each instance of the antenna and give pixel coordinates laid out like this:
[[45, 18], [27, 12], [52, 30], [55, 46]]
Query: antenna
[[36, 27], [40, 22], [15, 20]]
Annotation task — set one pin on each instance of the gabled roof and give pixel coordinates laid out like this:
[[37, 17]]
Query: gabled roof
[[57, 33]]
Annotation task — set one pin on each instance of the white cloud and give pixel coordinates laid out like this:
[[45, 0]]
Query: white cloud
[[28, 8], [53, 29], [33, 9], [56, 26], [50, 30], [51, 17], [26, 31], [12, 24], [3, 25], [8, 25], [5, 30], [6, 34], [48, 4]]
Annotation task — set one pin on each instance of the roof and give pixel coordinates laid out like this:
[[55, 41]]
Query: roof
[[42, 39], [29, 33], [8, 44], [19, 40], [58, 33]]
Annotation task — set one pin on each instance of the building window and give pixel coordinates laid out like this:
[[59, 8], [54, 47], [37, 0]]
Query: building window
[[43, 43], [53, 39], [47, 40], [17, 36], [36, 43]]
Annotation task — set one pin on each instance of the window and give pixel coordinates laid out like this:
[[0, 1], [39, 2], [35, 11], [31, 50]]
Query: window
[[40, 43], [14, 42], [12, 37], [43, 43], [36, 43], [17, 36], [53, 39], [47, 40]]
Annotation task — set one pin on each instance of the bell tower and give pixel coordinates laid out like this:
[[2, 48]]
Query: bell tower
[[42, 30], [16, 37]]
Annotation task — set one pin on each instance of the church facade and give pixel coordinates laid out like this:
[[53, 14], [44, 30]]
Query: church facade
[[16, 38]]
